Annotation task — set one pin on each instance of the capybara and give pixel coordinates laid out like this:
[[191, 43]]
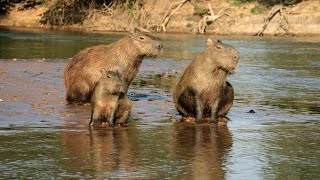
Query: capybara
[[124, 56], [203, 90], [123, 111], [108, 102]]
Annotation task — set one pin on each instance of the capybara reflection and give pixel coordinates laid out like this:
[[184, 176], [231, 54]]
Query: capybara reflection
[[108, 102], [124, 56], [203, 90]]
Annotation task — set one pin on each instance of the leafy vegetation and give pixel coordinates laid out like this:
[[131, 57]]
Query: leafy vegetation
[[68, 12], [273, 2], [258, 9], [7, 5], [200, 11]]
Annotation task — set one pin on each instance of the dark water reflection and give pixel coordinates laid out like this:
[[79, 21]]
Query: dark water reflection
[[41, 137]]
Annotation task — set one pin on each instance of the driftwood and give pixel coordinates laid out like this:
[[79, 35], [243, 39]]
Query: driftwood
[[204, 22], [174, 7], [283, 24]]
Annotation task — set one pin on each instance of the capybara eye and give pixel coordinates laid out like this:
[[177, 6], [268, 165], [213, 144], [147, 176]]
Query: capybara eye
[[108, 76], [142, 38]]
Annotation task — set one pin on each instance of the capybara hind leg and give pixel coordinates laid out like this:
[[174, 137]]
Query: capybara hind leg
[[124, 117], [226, 103], [181, 110], [80, 92]]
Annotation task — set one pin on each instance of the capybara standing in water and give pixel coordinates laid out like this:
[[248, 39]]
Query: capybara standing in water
[[203, 90], [124, 56], [108, 101]]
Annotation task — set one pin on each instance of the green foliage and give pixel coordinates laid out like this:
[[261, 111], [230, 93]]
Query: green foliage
[[7, 5], [68, 12], [258, 9], [253, 10], [237, 3], [132, 9], [200, 11], [272, 2]]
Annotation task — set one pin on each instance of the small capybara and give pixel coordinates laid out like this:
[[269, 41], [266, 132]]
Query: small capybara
[[108, 102], [124, 56], [203, 90]]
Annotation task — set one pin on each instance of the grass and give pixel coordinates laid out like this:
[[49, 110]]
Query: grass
[[259, 9]]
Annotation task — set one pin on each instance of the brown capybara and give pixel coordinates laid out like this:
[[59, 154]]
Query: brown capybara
[[203, 90], [123, 111], [108, 102], [124, 56]]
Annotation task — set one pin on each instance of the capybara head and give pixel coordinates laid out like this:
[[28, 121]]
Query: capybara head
[[148, 45], [223, 55], [111, 80]]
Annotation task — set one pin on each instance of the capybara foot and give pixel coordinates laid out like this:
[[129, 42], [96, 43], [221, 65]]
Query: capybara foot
[[213, 120], [199, 121], [222, 121], [188, 119]]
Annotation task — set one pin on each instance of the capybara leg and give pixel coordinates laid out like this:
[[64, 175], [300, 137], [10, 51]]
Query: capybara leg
[[223, 111], [124, 117], [95, 118], [199, 109], [111, 115], [111, 119], [181, 110], [213, 116], [227, 102]]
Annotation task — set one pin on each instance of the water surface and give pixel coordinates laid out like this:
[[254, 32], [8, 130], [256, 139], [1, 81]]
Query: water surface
[[42, 137]]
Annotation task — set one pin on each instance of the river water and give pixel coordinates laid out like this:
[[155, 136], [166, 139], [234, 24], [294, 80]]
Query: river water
[[41, 137]]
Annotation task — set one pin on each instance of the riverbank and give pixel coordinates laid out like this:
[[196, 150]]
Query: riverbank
[[212, 17]]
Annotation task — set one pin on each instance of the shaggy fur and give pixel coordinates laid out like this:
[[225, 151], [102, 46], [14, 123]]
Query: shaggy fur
[[203, 91], [124, 56], [108, 102]]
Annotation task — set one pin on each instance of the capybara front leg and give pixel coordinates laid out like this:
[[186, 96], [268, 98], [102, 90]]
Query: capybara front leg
[[199, 109], [213, 116], [111, 119], [95, 120]]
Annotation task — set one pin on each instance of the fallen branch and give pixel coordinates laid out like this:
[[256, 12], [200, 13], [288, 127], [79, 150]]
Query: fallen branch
[[283, 25], [283, 21], [204, 22], [176, 6]]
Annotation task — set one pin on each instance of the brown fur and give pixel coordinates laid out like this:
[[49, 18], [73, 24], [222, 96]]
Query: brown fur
[[108, 101], [124, 56], [123, 112], [203, 91]]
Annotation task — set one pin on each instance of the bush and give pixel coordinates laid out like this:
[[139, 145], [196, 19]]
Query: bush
[[199, 11], [68, 12], [273, 2]]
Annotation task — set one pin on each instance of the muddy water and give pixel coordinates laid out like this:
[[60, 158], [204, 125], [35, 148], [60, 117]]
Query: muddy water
[[42, 137]]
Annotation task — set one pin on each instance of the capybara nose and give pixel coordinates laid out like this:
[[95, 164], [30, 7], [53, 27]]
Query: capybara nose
[[159, 44]]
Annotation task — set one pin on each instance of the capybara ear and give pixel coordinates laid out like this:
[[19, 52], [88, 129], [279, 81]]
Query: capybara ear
[[103, 72], [209, 42], [134, 32]]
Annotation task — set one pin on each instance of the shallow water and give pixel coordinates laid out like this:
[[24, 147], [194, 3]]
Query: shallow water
[[42, 137]]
